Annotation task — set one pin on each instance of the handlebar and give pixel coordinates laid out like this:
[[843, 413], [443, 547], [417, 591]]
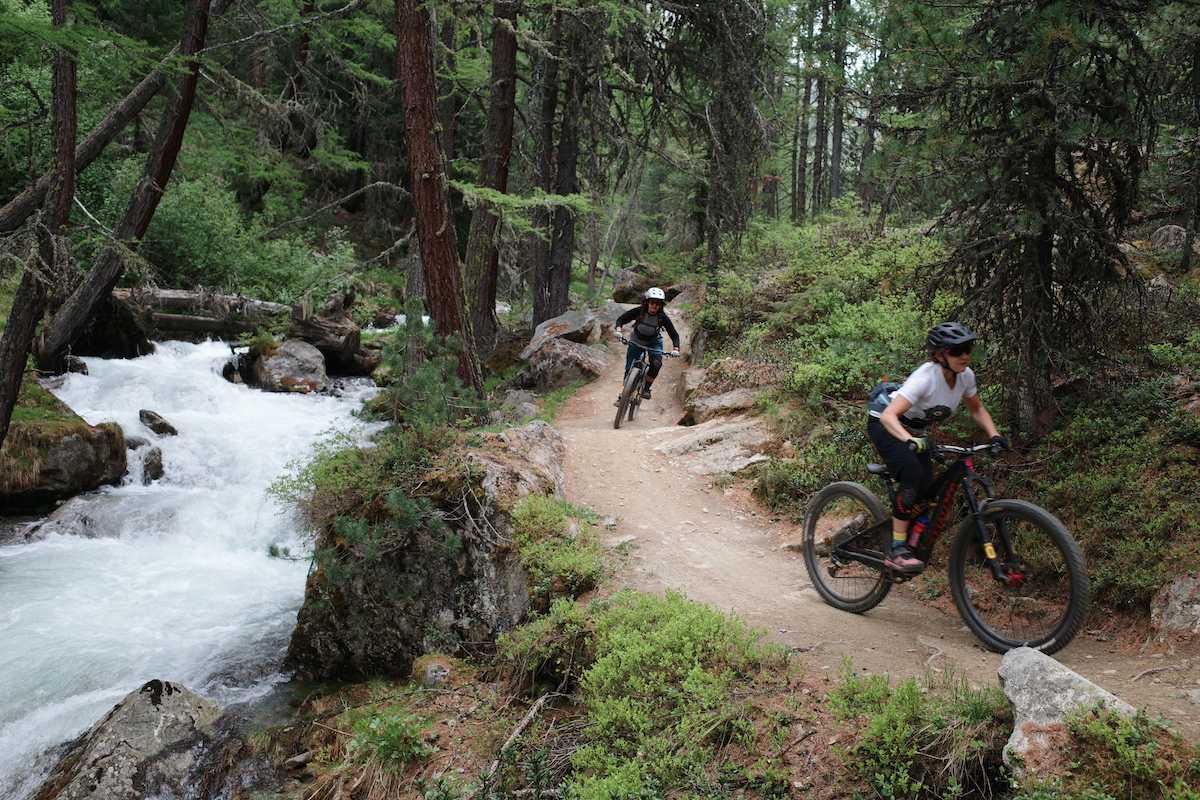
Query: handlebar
[[624, 340], [954, 450]]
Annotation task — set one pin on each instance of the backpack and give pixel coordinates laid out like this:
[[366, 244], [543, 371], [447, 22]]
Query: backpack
[[881, 395]]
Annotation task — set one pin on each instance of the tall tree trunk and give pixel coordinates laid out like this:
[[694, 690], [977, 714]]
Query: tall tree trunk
[[822, 139], [544, 96], [566, 182], [430, 183], [17, 210], [1192, 196], [481, 273], [839, 109], [712, 224], [449, 100], [867, 187], [801, 188], [301, 139], [30, 301], [73, 316], [822, 130]]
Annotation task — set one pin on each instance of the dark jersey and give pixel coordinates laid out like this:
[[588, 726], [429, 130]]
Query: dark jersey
[[646, 325]]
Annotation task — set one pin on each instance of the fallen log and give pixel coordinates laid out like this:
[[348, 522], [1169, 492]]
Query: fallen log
[[337, 338], [184, 300]]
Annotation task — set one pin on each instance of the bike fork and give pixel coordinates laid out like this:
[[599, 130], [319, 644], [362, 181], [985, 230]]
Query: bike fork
[[1001, 570]]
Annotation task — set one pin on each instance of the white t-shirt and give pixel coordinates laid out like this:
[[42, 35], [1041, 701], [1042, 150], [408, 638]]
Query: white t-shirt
[[926, 388]]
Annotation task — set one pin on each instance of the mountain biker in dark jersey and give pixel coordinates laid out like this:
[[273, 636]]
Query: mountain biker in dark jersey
[[900, 430], [649, 319]]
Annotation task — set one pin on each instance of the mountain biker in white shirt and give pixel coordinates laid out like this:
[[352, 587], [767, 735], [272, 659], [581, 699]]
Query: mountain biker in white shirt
[[899, 431]]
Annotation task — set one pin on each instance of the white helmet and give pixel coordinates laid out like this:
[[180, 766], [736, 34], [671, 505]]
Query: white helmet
[[655, 293]]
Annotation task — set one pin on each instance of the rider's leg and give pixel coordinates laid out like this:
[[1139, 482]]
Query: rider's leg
[[652, 372], [914, 474]]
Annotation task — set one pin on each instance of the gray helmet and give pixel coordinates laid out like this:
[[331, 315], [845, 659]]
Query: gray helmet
[[948, 334], [655, 293]]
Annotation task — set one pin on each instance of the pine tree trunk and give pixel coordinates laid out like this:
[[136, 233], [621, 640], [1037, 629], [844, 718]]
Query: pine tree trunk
[[544, 109], [481, 271], [30, 301], [562, 242], [838, 111], [822, 130], [73, 316], [1192, 195], [430, 183]]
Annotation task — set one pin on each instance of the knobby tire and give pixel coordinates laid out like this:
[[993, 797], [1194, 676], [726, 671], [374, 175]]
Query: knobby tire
[[851, 514], [1048, 610], [627, 392]]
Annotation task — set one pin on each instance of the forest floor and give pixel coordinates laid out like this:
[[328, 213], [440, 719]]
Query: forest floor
[[719, 546]]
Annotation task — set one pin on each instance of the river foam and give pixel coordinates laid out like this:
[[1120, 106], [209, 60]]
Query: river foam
[[180, 586]]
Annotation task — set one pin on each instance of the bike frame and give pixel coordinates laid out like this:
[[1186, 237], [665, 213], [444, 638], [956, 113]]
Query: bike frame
[[641, 363], [959, 474]]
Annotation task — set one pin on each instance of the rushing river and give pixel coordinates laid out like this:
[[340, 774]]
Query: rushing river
[[179, 585]]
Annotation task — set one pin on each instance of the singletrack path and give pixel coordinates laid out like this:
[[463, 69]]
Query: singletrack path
[[719, 547]]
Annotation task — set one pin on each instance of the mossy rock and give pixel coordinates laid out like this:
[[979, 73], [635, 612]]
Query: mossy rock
[[50, 453]]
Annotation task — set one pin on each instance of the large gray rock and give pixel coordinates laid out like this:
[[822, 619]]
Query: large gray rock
[[574, 326], [1171, 237], [1043, 692], [723, 445], [295, 366], [700, 408], [630, 285], [158, 743], [518, 407], [86, 516], [432, 590], [1175, 608], [559, 362]]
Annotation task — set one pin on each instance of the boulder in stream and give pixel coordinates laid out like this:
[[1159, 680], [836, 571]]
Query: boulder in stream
[[161, 741], [51, 454]]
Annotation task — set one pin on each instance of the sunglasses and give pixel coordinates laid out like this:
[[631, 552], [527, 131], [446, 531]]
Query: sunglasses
[[960, 350]]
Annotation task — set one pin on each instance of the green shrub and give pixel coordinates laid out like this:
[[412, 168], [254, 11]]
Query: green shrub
[[1123, 474], [559, 550], [660, 695], [936, 739], [395, 740], [424, 391]]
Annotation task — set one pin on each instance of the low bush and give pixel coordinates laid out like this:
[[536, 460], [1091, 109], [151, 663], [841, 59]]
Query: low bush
[[937, 738]]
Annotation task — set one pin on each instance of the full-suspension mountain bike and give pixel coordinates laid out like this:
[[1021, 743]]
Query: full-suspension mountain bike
[[1017, 576], [635, 379]]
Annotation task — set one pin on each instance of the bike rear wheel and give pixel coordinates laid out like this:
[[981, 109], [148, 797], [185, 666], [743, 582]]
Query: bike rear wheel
[[844, 521], [1045, 604], [633, 382]]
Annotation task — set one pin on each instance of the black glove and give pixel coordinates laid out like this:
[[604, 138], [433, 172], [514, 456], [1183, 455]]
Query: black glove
[[1001, 443], [919, 444]]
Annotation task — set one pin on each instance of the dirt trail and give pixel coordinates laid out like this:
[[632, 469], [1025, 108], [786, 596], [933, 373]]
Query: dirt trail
[[719, 548]]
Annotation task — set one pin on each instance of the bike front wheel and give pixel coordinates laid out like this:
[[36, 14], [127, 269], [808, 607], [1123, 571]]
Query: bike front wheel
[[843, 526], [1041, 596], [632, 383]]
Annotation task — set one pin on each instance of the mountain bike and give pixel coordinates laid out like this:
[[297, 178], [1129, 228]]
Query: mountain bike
[[631, 393], [1017, 576]]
